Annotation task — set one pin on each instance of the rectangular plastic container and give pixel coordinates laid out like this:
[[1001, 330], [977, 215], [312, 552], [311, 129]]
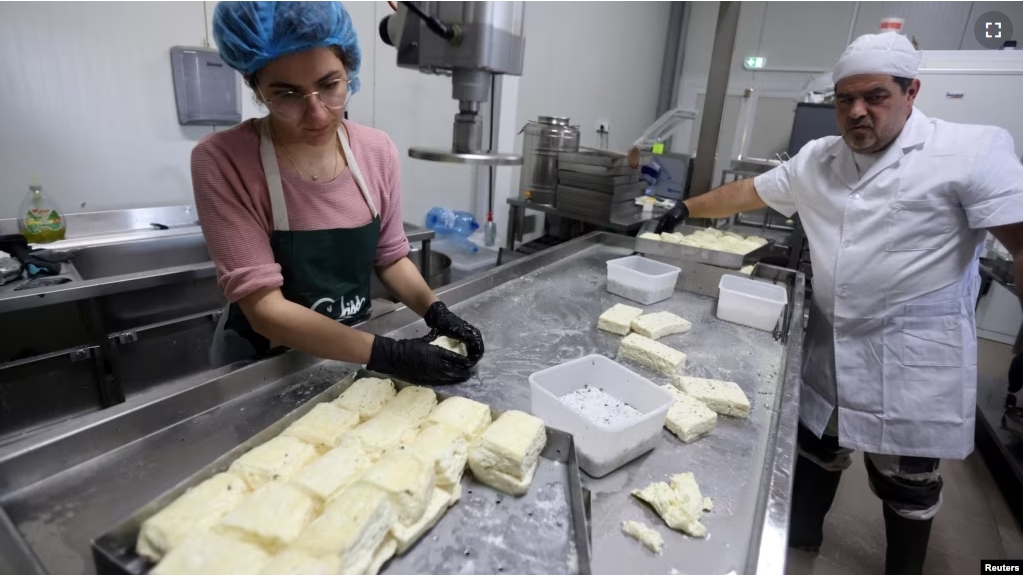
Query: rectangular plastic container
[[750, 302], [601, 448], [641, 280]]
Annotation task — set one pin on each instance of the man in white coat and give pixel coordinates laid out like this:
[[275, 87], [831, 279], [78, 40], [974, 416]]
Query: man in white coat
[[896, 212]]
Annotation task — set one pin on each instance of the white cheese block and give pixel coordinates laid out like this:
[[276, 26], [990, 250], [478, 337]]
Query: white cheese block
[[196, 511], [650, 538], [672, 238], [383, 554], [724, 397], [323, 426], [660, 324], [617, 318], [276, 460], [407, 481], [678, 502], [272, 517], [292, 562], [757, 240], [444, 450], [407, 536], [366, 396], [454, 492], [511, 445], [380, 434], [650, 236], [504, 482], [451, 344], [334, 471], [413, 403], [688, 418], [466, 416], [746, 270], [212, 554], [352, 528], [650, 353]]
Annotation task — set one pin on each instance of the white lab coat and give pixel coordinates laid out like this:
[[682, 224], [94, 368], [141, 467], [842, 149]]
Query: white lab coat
[[891, 341]]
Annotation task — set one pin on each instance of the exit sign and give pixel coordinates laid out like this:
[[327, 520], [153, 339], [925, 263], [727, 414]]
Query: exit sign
[[753, 62]]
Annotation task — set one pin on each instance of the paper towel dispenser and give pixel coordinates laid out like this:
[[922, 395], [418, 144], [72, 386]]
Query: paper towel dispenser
[[207, 91]]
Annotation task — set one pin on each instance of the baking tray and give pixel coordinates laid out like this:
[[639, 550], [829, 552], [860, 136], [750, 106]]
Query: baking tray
[[691, 254], [598, 183], [556, 511]]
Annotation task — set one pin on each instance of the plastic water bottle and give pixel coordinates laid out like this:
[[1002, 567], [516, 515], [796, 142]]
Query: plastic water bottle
[[455, 226]]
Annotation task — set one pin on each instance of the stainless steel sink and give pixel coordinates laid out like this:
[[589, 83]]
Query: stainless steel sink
[[140, 256]]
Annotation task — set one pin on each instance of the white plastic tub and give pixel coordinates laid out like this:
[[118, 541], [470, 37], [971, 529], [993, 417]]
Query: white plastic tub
[[641, 280], [750, 302], [601, 448]]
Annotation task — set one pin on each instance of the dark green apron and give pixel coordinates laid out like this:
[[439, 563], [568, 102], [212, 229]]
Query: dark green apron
[[327, 271]]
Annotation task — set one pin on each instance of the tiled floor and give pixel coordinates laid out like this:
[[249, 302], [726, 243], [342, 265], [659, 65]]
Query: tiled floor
[[974, 523]]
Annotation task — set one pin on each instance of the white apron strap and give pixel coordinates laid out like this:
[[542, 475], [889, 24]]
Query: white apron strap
[[278, 209], [356, 174]]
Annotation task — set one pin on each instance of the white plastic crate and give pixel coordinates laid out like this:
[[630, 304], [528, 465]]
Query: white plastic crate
[[641, 280], [750, 302], [601, 448]]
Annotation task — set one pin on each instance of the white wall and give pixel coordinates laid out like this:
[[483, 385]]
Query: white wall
[[88, 103], [800, 40]]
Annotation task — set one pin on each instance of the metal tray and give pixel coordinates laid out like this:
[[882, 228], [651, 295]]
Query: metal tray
[[594, 157], [587, 180], [691, 254], [556, 508]]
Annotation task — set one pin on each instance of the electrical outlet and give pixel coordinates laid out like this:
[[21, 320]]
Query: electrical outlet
[[603, 127]]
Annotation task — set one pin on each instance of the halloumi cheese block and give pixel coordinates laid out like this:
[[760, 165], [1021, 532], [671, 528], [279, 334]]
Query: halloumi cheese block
[[617, 318], [466, 416], [413, 403], [383, 554], [444, 450], [352, 527], [196, 511], [678, 502], [757, 240], [323, 426], [504, 482], [272, 517], [650, 538], [366, 396], [380, 434], [688, 418], [406, 480], [650, 236], [334, 471], [511, 445], [746, 270], [407, 536], [292, 562], [646, 351], [454, 492], [659, 324], [451, 344], [276, 460], [212, 554], [670, 237], [724, 397]]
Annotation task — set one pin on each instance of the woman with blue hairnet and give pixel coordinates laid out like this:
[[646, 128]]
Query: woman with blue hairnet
[[300, 206]]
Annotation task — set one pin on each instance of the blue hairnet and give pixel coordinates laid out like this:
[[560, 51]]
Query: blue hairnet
[[251, 34]]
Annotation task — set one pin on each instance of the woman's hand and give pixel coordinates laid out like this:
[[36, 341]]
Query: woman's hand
[[416, 361], [438, 317]]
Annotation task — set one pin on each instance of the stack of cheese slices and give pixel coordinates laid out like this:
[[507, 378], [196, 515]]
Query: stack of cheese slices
[[344, 488], [710, 239]]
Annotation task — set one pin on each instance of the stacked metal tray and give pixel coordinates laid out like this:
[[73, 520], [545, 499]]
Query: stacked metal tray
[[682, 253], [597, 183], [556, 506]]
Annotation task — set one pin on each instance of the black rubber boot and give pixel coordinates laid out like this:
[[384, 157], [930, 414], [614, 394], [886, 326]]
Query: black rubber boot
[[814, 489], [906, 543]]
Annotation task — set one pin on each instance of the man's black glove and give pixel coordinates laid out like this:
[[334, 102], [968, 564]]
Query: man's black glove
[[670, 219], [416, 361], [439, 318]]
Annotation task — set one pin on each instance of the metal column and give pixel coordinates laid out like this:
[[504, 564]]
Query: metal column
[[714, 100]]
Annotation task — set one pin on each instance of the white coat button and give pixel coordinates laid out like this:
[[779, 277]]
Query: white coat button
[[856, 196]]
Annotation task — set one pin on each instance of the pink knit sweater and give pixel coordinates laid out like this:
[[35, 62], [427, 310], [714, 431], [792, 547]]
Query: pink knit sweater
[[234, 204]]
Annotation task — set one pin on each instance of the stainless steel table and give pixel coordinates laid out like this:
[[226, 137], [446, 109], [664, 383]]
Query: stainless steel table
[[66, 485]]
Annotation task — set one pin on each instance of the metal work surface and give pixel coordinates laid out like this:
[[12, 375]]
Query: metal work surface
[[536, 312], [472, 537]]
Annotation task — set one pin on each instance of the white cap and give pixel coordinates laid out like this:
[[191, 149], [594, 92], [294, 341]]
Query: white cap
[[886, 53]]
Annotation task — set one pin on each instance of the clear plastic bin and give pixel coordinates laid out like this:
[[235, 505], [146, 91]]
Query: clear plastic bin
[[750, 302], [601, 448], [641, 280]]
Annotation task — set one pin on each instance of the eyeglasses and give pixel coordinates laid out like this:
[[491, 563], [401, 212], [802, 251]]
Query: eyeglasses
[[292, 105]]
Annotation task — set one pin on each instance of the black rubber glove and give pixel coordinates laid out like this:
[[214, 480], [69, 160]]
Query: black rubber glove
[[439, 318], [671, 218], [416, 361]]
